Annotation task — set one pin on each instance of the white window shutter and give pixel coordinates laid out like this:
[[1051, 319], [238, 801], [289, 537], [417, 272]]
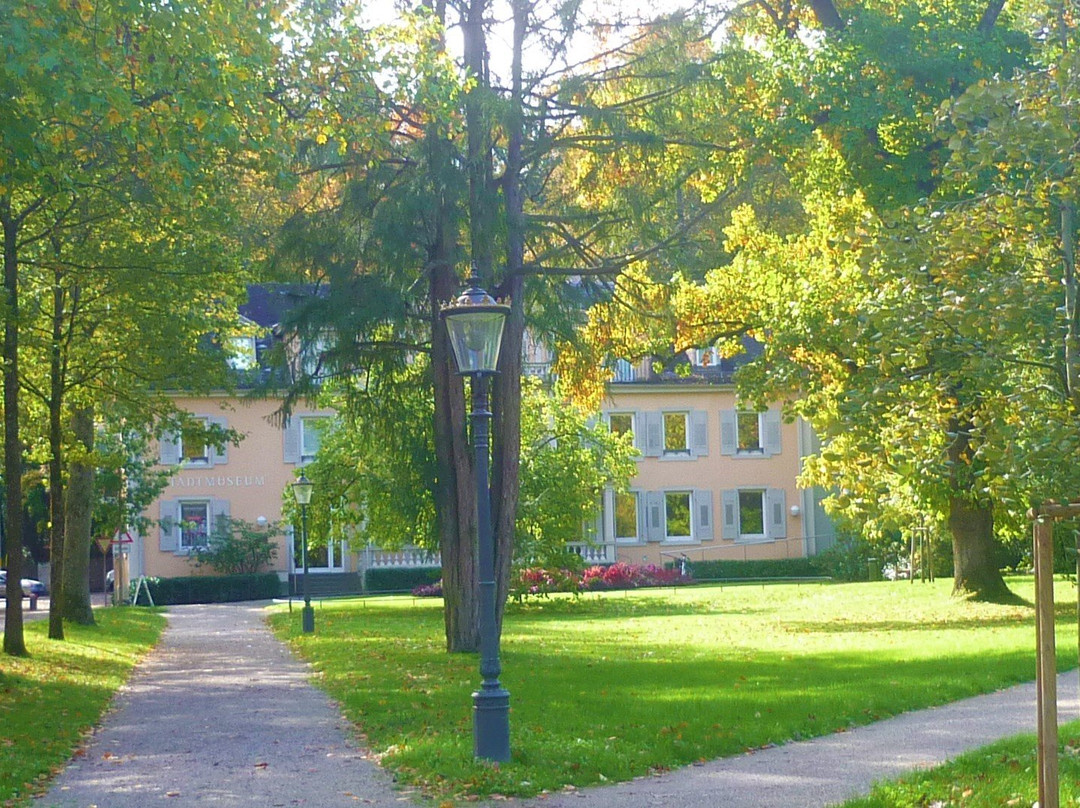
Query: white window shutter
[[729, 432], [639, 431], [655, 508], [215, 456], [775, 513], [291, 436], [168, 532], [729, 528], [703, 515], [654, 434], [607, 510], [642, 516], [699, 433], [770, 426], [169, 449]]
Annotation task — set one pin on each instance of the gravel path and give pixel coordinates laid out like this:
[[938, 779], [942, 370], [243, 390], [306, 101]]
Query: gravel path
[[220, 714]]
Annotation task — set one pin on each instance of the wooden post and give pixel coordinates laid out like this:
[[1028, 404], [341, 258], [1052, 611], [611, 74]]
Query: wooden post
[[1046, 664]]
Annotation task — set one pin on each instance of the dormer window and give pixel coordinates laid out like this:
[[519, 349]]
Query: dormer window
[[241, 353]]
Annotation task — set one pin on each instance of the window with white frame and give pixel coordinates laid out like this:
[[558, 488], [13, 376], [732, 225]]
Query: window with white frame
[[704, 357], [311, 432], [241, 353], [749, 433], [621, 423], [194, 451], [754, 514], [676, 433], [194, 524], [625, 515], [677, 516], [751, 514]]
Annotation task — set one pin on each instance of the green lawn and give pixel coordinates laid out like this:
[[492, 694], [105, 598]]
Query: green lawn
[[614, 686], [1002, 774], [49, 699]]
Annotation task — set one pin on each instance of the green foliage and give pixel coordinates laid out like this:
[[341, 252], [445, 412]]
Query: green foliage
[[756, 665], [213, 588], [368, 465], [237, 547], [1002, 773], [404, 579], [567, 460], [765, 568], [53, 697]]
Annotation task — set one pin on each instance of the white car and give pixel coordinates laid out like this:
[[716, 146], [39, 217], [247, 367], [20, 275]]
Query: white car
[[30, 587]]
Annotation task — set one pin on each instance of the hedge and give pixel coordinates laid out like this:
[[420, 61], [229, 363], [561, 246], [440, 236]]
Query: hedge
[[764, 568], [213, 588], [399, 579]]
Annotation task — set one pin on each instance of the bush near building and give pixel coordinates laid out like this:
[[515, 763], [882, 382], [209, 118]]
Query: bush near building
[[213, 588]]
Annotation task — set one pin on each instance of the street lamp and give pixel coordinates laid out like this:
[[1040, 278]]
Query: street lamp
[[475, 324], [302, 489]]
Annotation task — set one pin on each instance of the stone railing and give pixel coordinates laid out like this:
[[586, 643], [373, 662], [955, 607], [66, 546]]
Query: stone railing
[[374, 557], [594, 553]]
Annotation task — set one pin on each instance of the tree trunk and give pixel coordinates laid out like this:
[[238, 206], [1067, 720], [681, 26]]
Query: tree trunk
[[78, 534], [971, 522], [506, 434], [974, 559], [14, 641], [56, 468], [455, 504]]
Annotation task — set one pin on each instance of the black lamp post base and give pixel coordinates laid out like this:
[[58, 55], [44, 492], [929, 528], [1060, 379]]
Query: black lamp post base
[[307, 619], [491, 725]]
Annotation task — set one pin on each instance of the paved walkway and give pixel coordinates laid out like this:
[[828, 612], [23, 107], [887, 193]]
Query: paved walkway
[[221, 715]]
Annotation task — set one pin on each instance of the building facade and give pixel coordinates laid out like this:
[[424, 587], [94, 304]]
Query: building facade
[[714, 481]]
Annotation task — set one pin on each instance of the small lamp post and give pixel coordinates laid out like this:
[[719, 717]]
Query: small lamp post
[[302, 489], [475, 325]]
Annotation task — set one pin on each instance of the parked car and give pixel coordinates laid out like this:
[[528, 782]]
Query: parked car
[[30, 587]]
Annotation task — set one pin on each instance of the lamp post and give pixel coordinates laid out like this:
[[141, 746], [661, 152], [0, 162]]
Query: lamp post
[[475, 324], [302, 489]]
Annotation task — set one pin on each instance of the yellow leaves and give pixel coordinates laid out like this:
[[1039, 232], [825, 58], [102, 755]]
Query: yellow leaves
[[200, 119]]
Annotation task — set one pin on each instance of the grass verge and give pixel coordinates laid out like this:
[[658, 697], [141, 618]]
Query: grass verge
[[51, 698], [618, 685], [1002, 774]]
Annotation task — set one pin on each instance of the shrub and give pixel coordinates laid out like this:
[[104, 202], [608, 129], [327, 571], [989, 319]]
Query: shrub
[[765, 568], [237, 547], [213, 588], [539, 582], [399, 579], [428, 590]]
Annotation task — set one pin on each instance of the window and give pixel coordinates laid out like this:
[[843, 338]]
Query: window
[[311, 431], [677, 515], [749, 432], [194, 524], [751, 514], [621, 423], [303, 436], [754, 514], [675, 433], [626, 516], [193, 451], [329, 556], [240, 353]]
